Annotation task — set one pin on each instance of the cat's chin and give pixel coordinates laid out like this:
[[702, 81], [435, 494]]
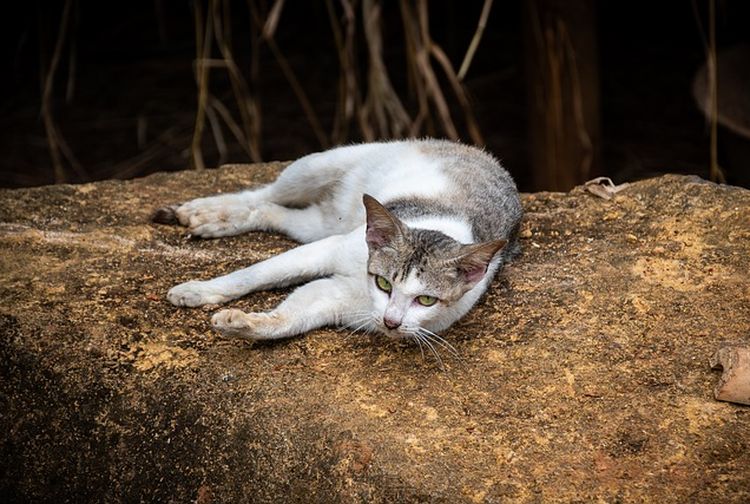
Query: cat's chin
[[393, 335]]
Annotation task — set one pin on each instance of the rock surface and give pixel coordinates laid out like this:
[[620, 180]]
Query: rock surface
[[583, 374]]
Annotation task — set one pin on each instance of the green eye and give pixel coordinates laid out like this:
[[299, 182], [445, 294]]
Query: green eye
[[383, 284], [426, 300]]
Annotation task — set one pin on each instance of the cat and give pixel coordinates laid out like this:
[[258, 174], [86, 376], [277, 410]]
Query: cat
[[400, 238]]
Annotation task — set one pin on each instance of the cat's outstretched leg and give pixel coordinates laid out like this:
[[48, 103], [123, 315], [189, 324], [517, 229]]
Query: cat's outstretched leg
[[229, 212], [303, 225], [320, 258], [304, 183], [316, 304]]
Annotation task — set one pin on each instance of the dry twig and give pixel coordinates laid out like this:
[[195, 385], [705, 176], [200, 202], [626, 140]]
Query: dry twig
[[242, 94], [272, 20], [203, 37], [715, 172], [469, 56], [57, 145], [382, 114], [348, 92], [291, 77]]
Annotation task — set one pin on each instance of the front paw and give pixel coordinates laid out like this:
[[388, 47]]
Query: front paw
[[233, 322], [195, 293], [254, 326]]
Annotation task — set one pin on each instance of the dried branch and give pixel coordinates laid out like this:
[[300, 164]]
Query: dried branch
[[382, 114], [428, 74], [255, 47], [218, 135], [70, 85], [575, 84], [416, 83], [242, 94], [469, 56], [312, 116], [272, 20], [348, 92], [709, 44], [203, 38], [458, 90], [215, 104], [291, 77], [57, 145], [716, 173]]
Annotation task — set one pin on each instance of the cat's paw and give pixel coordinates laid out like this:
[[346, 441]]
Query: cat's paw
[[195, 293], [225, 222], [236, 323], [166, 215], [215, 216]]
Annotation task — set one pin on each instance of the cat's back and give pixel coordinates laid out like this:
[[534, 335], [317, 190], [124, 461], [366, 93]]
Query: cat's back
[[479, 189]]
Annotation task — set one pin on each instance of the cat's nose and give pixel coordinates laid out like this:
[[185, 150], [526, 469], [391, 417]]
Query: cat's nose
[[391, 324]]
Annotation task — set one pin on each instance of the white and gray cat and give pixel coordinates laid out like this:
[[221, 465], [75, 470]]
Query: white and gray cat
[[400, 238]]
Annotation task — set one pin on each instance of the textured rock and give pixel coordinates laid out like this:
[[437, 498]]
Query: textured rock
[[584, 372]]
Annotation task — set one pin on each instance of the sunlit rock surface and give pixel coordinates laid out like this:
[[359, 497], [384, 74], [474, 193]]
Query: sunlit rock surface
[[583, 374]]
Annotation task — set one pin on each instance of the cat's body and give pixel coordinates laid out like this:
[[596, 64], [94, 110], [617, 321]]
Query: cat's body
[[439, 221]]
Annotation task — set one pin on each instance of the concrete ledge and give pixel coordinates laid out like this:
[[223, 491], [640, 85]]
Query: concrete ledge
[[584, 373]]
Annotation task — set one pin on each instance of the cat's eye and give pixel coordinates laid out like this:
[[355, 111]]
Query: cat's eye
[[426, 300], [383, 284]]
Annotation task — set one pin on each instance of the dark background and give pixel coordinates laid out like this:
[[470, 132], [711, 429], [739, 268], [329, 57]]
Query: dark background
[[134, 69]]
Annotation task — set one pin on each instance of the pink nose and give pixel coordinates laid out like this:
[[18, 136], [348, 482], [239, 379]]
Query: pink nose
[[391, 324]]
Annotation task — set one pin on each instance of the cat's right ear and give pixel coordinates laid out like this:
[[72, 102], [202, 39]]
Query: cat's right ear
[[383, 228]]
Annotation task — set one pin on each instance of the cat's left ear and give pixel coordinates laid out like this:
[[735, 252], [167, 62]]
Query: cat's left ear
[[474, 259], [383, 228]]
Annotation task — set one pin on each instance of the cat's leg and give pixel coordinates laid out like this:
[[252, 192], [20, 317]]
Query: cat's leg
[[216, 216], [311, 178], [316, 304], [305, 182], [303, 225], [320, 258]]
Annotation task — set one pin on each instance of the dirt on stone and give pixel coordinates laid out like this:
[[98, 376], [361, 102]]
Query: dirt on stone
[[583, 374]]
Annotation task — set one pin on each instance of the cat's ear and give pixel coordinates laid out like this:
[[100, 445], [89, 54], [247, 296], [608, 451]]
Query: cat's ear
[[383, 228], [474, 259]]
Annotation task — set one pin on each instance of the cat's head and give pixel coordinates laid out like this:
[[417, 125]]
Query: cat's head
[[416, 275]]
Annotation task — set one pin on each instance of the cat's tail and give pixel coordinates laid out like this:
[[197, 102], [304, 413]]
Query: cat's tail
[[513, 248], [511, 251], [166, 215]]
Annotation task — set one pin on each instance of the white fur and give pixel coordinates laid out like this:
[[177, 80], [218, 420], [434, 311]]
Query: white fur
[[326, 190], [456, 228]]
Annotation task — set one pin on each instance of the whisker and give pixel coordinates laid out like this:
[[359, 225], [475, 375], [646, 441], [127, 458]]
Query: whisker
[[440, 341], [432, 349], [357, 329], [416, 338], [363, 322], [357, 320]]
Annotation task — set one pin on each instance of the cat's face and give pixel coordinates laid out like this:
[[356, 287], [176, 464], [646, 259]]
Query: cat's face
[[415, 275]]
